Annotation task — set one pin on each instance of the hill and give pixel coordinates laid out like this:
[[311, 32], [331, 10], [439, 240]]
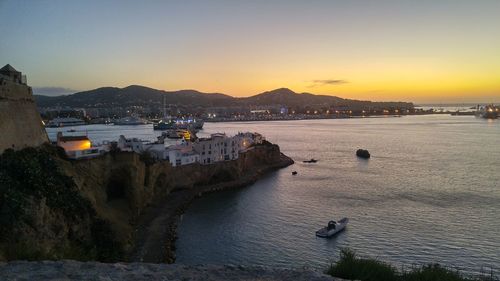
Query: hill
[[134, 95], [139, 96]]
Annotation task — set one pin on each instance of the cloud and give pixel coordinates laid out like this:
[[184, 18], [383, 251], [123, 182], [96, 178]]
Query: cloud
[[323, 82], [329, 82], [52, 91]]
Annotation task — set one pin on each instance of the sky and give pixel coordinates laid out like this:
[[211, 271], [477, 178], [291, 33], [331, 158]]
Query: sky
[[425, 51]]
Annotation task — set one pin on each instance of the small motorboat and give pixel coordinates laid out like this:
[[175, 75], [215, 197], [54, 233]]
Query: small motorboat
[[294, 173], [332, 228], [310, 161]]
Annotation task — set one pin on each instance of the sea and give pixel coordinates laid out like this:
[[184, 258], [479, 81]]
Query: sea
[[429, 194]]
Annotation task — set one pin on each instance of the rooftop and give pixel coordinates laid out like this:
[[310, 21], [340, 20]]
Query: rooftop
[[72, 138], [8, 68]]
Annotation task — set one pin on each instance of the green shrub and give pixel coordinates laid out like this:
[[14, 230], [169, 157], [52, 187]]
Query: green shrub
[[351, 267], [433, 272]]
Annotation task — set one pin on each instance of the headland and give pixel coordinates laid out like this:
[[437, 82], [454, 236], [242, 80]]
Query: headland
[[120, 205]]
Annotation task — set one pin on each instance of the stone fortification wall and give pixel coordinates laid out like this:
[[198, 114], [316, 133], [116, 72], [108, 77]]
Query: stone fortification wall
[[72, 270], [20, 122]]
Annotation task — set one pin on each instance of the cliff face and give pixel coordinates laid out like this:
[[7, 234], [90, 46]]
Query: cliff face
[[103, 208], [121, 186], [43, 215], [20, 123]]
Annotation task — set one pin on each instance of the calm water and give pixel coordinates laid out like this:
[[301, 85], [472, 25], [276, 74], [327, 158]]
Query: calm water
[[430, 193]]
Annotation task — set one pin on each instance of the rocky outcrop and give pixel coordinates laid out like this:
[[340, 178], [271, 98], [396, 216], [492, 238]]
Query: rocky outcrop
[[71, 270], [363, 153], [43, 215], [143, 202], [117, 207]]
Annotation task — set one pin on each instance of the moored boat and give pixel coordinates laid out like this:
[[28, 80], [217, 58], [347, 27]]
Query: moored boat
[[65, 122], [173, 124], [310, 161], [131, 120], [488, 111], [332, 228]]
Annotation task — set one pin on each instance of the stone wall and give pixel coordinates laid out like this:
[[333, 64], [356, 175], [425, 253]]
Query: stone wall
[[20, 122], [71, 270]]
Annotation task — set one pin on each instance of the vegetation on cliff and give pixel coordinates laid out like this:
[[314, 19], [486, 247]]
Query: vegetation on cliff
[[352, 267], [44, 216]]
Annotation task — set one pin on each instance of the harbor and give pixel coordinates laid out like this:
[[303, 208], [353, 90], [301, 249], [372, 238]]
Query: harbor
[[339, 184]]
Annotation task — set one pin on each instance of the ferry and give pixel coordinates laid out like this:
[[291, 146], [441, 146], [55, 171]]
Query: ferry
[[65, 122], [131, 120], [488, 111], [332, 228]]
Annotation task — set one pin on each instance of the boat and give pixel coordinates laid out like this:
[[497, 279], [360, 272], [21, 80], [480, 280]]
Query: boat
[[488, 111], [65, 122], [175, 134], [164, 125], [294, 173], [130, 120], [170, 123], [184, 124], [332, 228], [310, 161]]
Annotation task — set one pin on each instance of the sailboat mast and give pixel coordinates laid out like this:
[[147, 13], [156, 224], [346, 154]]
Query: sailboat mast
[[164, 107]]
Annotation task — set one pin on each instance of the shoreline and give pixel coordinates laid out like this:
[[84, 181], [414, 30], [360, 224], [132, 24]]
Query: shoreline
[[340, 117], [156, 231]]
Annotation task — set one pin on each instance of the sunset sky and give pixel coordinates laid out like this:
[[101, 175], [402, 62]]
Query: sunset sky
[[422, 51]]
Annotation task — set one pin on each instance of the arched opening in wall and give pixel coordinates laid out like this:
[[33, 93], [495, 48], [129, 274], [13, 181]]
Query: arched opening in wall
[[223, 176], [161, 182], [118, 185]]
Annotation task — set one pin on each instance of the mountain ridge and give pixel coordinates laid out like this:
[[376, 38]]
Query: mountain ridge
[[137, 95]]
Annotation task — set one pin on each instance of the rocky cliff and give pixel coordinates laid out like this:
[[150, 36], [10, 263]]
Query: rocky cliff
[[117, 207], [20, 123]]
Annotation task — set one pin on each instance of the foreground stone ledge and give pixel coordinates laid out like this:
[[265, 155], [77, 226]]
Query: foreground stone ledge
[[74, 270]]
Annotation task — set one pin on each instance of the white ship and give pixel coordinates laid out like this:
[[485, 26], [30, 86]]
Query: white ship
[[65, 122], [131, 120], [332, 228]]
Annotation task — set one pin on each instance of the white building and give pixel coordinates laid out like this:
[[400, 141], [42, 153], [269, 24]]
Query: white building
[[133, 144], [157, 150], [182, 154], [218, 147], [78, 147], [247, 140]]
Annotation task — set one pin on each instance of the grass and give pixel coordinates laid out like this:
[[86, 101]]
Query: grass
[[352, 267]]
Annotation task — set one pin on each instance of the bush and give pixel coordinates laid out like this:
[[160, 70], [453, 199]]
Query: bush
[[351, 267], [432, 272]]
